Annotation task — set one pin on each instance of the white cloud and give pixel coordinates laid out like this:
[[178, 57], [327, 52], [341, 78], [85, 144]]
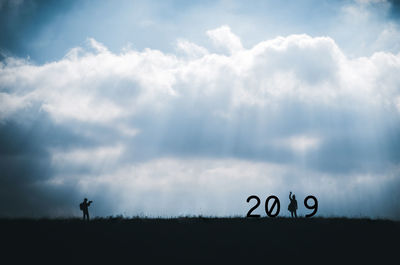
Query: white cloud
[[223, 37], [82, 109], [99, 47], [104, 86], [10, 104], [300, 143], [298, 104], [388, 39], [91, 156], [191, 49]]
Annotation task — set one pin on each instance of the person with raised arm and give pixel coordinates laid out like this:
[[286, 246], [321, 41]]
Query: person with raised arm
[[292, 205]]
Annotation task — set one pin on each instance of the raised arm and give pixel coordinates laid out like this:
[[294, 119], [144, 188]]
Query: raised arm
[[290, 196]]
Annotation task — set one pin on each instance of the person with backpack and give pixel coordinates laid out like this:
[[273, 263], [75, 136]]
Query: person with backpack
[[84, 207], [292, 205]]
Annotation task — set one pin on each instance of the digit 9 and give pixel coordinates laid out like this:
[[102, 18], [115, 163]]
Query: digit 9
[[313, 207]]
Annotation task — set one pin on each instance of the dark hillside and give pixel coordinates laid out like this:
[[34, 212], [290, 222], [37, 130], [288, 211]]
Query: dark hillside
[[200, 241]]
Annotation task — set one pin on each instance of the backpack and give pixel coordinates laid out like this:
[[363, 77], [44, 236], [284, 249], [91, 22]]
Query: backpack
[[81, 206]]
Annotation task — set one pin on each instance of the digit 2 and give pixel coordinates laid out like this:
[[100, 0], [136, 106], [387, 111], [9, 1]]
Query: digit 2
[[254, 207]]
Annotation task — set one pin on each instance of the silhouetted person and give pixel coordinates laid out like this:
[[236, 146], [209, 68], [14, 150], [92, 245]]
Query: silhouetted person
[[84, 207], [292, 205]]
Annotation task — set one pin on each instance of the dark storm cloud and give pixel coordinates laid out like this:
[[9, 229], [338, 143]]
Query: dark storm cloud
[[395, 8], [25, 164], [22, 21]]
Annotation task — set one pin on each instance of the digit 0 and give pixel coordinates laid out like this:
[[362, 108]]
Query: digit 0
[[276, 203]]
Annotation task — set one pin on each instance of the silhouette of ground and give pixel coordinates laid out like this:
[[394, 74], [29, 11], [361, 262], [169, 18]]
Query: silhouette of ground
[[200, 241]]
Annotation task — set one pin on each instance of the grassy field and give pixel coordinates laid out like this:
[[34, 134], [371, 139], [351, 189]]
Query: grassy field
[[200, 241]]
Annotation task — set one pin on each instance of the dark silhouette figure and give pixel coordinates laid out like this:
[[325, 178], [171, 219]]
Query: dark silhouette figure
[[292, 205], [84, 207]]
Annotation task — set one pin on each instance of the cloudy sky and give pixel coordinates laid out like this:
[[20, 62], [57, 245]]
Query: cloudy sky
[[167, 108]]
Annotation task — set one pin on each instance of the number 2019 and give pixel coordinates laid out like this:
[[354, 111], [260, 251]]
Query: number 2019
[[275, 203]]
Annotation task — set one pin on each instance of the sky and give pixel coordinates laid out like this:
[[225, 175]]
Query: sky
[[176, 108]]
